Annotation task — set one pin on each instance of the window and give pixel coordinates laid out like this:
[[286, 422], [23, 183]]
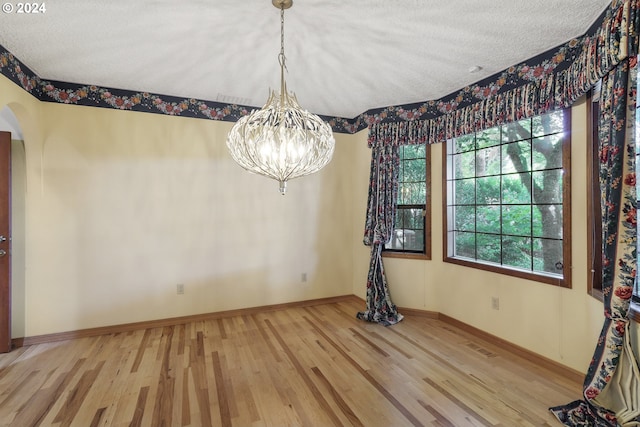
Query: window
[[508, 201], [412, 233]]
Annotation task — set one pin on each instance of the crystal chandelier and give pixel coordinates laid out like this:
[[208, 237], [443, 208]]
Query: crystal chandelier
[[281, 141]]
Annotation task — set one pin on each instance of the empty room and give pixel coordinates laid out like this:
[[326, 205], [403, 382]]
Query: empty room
[[319, 213]]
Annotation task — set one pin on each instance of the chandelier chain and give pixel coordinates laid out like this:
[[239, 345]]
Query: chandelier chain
[[281, 57], [282, 31]]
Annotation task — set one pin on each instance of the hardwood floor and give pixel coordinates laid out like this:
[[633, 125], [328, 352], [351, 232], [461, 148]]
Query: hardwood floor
[[304, 366]]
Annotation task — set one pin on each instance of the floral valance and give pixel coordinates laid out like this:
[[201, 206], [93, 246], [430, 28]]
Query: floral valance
[[556, 80]]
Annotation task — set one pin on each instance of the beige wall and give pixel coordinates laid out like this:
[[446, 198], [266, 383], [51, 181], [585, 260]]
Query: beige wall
[[120, 207], [26, 108], [560, 324]]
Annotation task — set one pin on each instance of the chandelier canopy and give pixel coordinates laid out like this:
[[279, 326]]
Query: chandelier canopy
[[281, 141]]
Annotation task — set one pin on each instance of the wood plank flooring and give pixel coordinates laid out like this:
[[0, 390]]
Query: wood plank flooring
[[304, 366]]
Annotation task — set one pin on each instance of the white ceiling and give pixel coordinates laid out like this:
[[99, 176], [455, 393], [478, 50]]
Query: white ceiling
[[343, 56]]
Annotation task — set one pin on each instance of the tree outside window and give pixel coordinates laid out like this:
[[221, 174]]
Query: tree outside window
[[508, 206]]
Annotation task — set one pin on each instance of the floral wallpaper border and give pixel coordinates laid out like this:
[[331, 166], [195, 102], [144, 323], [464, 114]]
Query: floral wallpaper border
[[536, 69]]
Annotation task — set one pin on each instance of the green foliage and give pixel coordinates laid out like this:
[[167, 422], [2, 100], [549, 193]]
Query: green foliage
[[516, 220], [513, 250], [488, 219], [488, 247], [513, 189], [412, 175], [507, 194], [465, 218], [412, 196], [488, 190], [465, 244]]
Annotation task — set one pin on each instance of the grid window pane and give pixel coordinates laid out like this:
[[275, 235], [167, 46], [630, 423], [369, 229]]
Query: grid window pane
[[488, 190], [516, 220], [547, 152], [411, 218], [465, 192], [548, 124], [521, 149], [465, 143], [514, 188], [398, 220], [546, 185], [413, 151], [465, 164], [488, 138], [488, 161], [505, 195], [547, 255], [408, 232], [402, 239], [416, 241], [488, 219], [465, 244], [488, 247], [465, 218], [547, 222], [516, 251], [516, 131], [411, 193], [397, 240], [413, 170]]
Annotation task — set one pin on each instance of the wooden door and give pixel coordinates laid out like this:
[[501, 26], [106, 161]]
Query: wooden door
[[5, 242]]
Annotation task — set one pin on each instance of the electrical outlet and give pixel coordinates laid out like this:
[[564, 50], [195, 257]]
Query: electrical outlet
[[180, 289], [495, 303], [303, 277]]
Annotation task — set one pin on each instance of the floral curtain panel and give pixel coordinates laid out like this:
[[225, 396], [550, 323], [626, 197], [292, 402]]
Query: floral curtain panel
[[381, 211], [619, 263]]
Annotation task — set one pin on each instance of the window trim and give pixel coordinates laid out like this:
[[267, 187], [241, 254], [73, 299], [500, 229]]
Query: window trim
[[634, 312], [594, 221], [426, 255], [565, 281]]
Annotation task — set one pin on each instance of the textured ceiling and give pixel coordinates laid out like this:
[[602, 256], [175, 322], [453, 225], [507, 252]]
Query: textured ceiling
[[343, 57]]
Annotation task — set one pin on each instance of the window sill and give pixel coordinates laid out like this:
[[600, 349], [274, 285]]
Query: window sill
[[494, 268], [405, 255]]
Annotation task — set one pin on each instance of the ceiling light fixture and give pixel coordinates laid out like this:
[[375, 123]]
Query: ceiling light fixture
[[281, 141]]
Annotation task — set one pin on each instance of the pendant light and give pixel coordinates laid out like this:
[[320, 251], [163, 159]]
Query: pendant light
[[281, 141]]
